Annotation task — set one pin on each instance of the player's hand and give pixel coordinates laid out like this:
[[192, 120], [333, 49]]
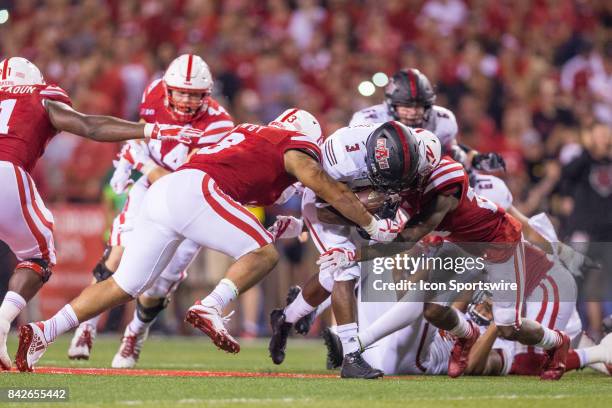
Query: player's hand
[[135, 153], [286, 227], [121, 177], [384, 229], [336, 259], [489, 162], [181, 134], [575, 262]]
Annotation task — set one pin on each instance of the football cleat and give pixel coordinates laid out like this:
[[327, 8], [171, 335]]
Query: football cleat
[[461, 351], [210, 322], [32, 346], [5, 360], [82, 342], [129, 351], [354, 366], [280, 333], [554, 367], [334, 348], [303, 325]]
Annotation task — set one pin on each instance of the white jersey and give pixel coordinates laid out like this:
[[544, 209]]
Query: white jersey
[[440, 121], [494, 189]]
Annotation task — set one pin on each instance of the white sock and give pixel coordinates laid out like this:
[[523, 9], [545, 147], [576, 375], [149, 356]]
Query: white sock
[[63, 321], [348, 337], [11, 306], [397, 317], [225, 292], [137, 326], [595, 354], [323, 306], [551, 339], [463, 329], [297, 309], [93, 322]]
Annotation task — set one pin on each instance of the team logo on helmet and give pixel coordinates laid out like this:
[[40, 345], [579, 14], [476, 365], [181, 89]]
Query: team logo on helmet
[[382, 153]]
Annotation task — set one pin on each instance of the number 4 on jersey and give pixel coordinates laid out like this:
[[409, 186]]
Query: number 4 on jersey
[[6, 109]]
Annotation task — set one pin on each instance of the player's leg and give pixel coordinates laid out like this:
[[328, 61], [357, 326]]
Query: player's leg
[[27, 227], [510, 325], [120, 235], [243, 238], [151, 303], [141, 264]]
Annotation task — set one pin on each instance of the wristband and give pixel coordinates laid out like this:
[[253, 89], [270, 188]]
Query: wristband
[[372, 227]]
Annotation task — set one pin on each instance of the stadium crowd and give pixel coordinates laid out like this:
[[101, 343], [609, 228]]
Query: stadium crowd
[[527, 79]]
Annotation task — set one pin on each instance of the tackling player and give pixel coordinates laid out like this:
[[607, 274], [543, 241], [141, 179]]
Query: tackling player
[[202, 202], [31, 114], [181, 97]]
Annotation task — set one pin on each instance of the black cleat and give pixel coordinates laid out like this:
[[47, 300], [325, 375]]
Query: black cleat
[[354, 366], [334, 349], [280, 333], [302, 326]]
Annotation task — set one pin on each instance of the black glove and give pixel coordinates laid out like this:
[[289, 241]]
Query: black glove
[[488, 162]]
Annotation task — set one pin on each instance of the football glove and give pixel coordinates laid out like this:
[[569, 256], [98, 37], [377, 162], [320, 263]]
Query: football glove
[[488, 162], [335, 260], [286, 227], [181, 134]]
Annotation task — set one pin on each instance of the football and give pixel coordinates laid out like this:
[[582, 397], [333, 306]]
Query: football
[[371, 199]]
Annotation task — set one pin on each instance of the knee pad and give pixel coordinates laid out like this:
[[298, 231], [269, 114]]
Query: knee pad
[[101, 272], [148, 314], [40, 266]]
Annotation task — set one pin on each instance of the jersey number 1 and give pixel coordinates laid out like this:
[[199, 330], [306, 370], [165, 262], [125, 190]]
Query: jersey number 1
[[6, 109]]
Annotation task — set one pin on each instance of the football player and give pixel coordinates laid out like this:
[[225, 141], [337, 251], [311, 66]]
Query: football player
[[182, 97], [410, 99], [345, 159], [202, 202], [31, 114]]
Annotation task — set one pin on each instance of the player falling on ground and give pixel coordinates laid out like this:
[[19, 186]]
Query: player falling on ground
[[202, 202], [31, 114], [181, 97]]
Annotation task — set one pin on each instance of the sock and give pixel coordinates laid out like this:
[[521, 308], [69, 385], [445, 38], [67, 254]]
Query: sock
[[63, 321], [12, 305], [225, 292], [551, 339], [93, 322], [348, 337], [297, 309], [463, 329], [137, 326], [595, 354], [323, 306], [397, 317]]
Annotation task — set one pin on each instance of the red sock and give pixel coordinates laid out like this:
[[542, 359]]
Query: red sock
[[573, 361]]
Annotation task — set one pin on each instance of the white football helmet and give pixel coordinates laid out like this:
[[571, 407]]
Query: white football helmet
[[300, 121], [430, 151], [19, 71], [188, 74]]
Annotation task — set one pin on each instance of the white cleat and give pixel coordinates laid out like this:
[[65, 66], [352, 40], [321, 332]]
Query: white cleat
[[5, 360], [210, 322], [82, 342], [32, 346], [129, 351], [605, 366]]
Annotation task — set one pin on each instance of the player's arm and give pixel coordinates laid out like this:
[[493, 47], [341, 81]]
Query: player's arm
[[531, 234], [311, 174], [428, 219], [483, 360], [94, 127]]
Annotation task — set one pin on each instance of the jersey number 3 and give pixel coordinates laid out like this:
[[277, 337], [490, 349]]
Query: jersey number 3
[[6, 109]]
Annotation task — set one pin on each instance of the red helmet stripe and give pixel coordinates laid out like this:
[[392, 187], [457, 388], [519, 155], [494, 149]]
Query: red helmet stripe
[[5, 68], [284, 118], [407, 157], [412, 79], [189, 64]]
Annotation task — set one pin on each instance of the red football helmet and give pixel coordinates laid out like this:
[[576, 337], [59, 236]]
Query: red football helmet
[[188, 84]]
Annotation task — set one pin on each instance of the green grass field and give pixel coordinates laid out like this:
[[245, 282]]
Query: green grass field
[[582, 389]]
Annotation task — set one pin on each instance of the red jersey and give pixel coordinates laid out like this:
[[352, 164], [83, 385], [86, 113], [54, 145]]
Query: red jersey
[[170, 154], [25, 127], [474, 220], [248, 164]]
